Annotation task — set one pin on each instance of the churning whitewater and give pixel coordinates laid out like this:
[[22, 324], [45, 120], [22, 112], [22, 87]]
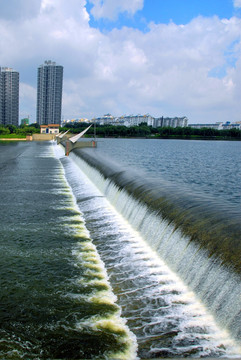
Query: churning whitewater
[[163, 314]]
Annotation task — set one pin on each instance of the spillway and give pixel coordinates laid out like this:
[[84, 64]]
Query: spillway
[[172, 259]]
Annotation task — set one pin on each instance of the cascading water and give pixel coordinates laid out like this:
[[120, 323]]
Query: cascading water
[[165, 316], [56, 300]]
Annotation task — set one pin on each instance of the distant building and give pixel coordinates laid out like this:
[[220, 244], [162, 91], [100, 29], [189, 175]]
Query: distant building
[[228, 125], [49, 129], [216, 126], [25, 121], [9, 96], [171, 122], [74, 121], [107, 119], [49, 93], [135, 120]]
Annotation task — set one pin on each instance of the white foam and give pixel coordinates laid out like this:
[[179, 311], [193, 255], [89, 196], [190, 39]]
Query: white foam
[[135, 253]]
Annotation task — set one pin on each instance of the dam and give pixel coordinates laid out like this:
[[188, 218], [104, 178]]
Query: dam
[[104, 256], [189, 235]]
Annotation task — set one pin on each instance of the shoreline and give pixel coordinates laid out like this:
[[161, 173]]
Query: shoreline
[[143, 137], [168, 138], [13, 139]]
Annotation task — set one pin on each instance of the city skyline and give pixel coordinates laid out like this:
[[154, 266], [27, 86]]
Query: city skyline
[[164, 58]]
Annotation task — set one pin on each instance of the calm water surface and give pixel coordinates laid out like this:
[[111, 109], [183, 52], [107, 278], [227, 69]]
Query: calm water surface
[[208, 167]]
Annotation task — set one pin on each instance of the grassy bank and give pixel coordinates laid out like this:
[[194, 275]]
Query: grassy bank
[[9, 137]]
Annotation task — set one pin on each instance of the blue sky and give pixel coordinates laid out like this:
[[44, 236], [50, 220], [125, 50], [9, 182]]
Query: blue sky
[[165, 11], [162, 57]]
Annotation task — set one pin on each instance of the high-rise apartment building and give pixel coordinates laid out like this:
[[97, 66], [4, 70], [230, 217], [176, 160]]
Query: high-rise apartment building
[[49, 93], [9, 96]]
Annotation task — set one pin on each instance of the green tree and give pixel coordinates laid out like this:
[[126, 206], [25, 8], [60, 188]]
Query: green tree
[[4, 130], [35, 125], [12, 128]]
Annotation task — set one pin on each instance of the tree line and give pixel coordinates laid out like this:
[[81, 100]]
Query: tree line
[[18, 131], [143, 130]]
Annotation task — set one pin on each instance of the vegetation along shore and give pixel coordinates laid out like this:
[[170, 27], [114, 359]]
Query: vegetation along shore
[[10, 132]]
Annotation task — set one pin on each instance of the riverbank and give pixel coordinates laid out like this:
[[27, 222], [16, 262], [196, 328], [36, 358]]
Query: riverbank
[[47, 137], [144, 131], [33, 137], [13, 139], [171, 137]]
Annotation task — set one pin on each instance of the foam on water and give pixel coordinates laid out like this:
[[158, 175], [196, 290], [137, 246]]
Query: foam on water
[[165, 316], [207, 277], [95, 276], [56, 299]]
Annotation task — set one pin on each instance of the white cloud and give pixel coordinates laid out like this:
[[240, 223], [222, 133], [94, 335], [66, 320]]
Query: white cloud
[[18, 10], [110, 9], [237, 3], [164, 71]]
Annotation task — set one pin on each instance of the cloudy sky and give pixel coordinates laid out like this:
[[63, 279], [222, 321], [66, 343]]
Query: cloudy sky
[[162, 57]]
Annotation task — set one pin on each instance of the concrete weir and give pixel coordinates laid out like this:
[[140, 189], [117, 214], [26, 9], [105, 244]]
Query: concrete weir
[[71, 142], [196, 238], [69, 146]]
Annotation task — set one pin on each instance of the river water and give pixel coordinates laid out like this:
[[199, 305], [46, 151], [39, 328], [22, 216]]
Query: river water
[[79, 280], [206, 167]]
